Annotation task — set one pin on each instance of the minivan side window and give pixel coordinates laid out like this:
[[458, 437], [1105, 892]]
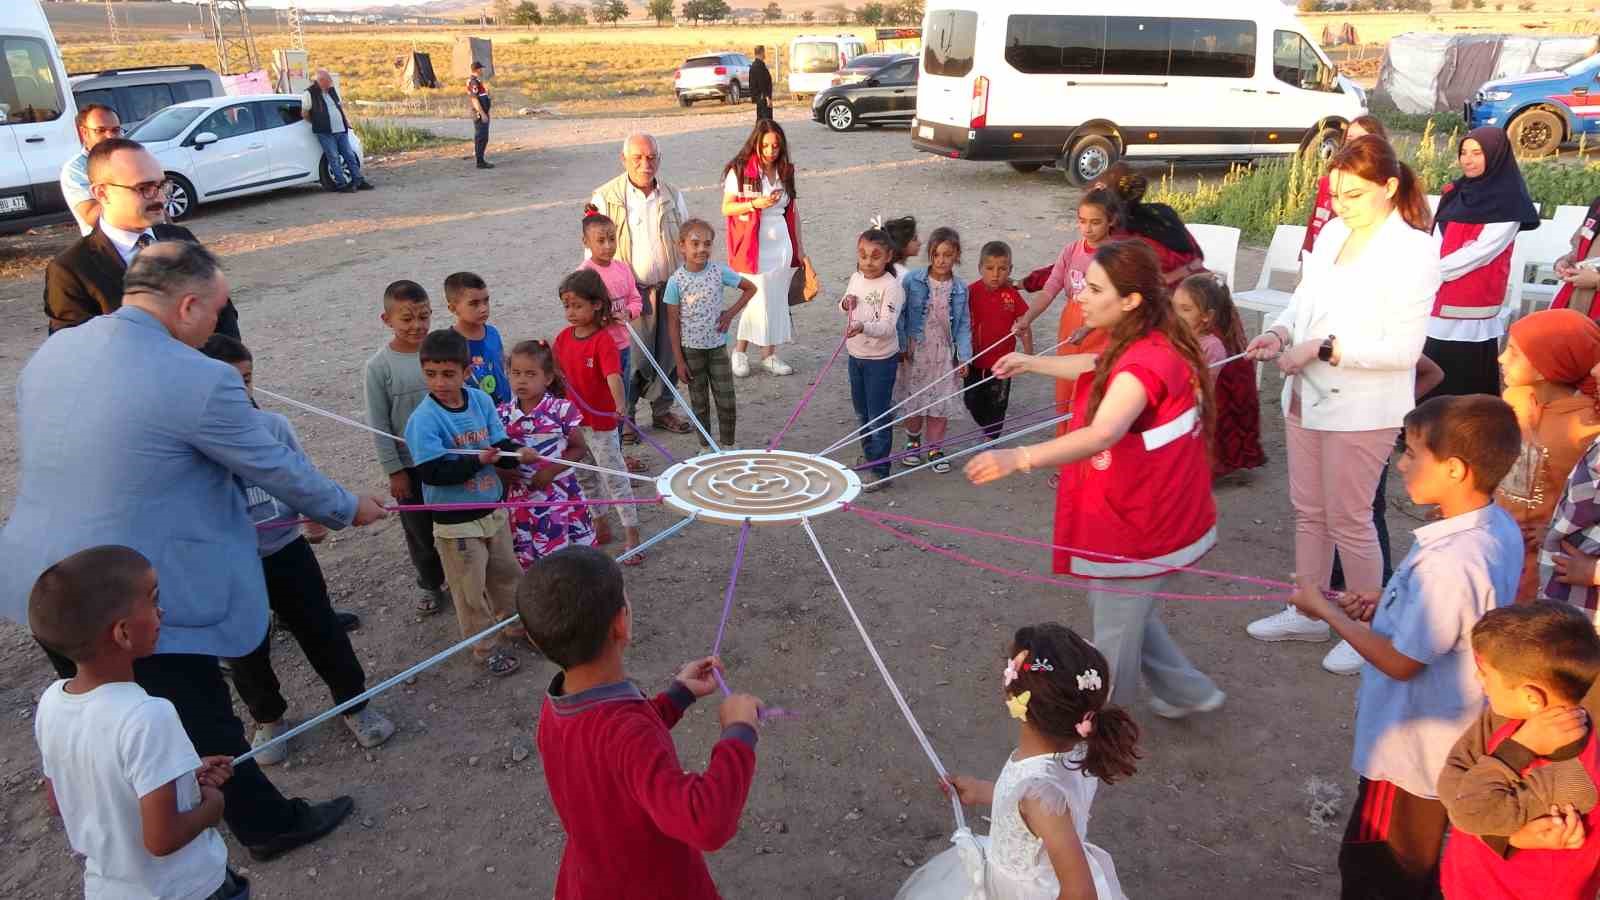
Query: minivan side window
[[1295, 63], [1120, 45], [1137, 46], [1213, 48], [28, 88], [948, 42], [194, 89], [140, 101], [1056, 45]]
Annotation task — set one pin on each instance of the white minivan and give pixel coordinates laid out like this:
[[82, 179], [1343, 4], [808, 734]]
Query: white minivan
[[36, 112], [1060, 83], [814, 60]]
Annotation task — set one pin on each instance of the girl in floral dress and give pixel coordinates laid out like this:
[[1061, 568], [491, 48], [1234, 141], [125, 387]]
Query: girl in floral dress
[[539, 417], [935, 335]]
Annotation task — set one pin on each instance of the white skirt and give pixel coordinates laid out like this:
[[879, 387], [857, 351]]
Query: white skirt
[[765, 320], [962, 873]]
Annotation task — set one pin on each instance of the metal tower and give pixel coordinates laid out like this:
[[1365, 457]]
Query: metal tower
[[297, 30], [111, 24], [236, 46]]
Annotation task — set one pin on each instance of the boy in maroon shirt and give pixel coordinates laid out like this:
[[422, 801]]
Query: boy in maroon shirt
[[636, 822]]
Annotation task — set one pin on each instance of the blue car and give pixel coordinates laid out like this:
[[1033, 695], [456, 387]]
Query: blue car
[[1541, 111]]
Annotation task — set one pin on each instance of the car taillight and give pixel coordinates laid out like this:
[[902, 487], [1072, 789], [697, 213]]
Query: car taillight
[[980, 102], [720, 70]]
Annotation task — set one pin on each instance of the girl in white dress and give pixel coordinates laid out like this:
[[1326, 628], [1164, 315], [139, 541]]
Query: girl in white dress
[[758, 197], [1068, 741]]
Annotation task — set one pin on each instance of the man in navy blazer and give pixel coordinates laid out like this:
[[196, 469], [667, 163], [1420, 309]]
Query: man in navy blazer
[[130, 436]]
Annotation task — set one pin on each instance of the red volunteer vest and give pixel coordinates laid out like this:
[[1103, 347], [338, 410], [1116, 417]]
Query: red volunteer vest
[[1586, 233], [1479, 293], [1472, 871], [1149, 496], [744, 232], [1321, 214]]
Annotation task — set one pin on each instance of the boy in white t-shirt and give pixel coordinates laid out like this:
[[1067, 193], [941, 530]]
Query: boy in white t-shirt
[[136, 800]]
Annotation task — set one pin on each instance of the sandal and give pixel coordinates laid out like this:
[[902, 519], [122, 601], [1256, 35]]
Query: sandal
[[637, 467], [913, 454], [630, 438], [429, 603], [940, 464], [602, 531], [500, 663], [636, 559], [673, 423]]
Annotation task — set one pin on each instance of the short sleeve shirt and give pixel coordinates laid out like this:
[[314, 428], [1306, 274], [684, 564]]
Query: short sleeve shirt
[[1458, 569], [585, 362], [698, 295], [75, 187], [434, 430], [993, 313], [488, 372], [104, 750]]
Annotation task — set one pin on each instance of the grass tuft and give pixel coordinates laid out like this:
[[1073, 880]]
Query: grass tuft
[[381, 136]]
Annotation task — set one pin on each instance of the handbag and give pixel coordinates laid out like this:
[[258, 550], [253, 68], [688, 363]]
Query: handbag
[[805, 288]]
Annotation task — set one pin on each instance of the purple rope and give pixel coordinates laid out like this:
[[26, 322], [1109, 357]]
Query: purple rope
[[630, 423], [727, 602], [1013, 421], [810, 392]]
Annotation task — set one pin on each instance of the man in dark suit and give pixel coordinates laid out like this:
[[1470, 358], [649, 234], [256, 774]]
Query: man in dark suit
[[86, 279], [761, 84]]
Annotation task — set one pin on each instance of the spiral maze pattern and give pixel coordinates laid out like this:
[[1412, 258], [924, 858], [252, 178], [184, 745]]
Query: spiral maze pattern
[[765, 487]]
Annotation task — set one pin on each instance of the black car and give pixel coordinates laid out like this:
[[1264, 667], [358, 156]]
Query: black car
[[887, 95]]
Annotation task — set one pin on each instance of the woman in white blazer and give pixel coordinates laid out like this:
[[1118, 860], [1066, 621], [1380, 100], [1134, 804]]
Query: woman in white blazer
[[1348, 345]]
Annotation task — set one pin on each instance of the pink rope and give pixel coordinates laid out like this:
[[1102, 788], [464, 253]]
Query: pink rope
[[727, 602], [1109, 557], [578, 401], [810, 392], [1069, 581]]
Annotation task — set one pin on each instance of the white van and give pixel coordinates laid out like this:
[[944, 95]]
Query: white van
[[814, 59], [36, 112], [1059, 83]]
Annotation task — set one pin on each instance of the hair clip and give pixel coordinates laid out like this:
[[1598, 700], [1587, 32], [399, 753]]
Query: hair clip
[[1085, 726], [875, 222], [1089, 680], [1014, 667], [589, 209], [1041, 665], [1018, 705]]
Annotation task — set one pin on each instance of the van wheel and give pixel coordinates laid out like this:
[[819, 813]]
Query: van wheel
[[1536, 132], [839, 116], [733, 94], [180, 203], [1089, 159], [1324, 144], [1026, 168]]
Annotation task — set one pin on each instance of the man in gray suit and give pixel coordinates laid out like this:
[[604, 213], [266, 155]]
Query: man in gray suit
[[154, 462]]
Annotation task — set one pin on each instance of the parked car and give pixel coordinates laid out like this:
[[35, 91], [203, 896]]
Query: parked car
[[888, 94], [1541, 111], [814, 59], [231, 146], [721, 76], [140, 92], [862, 66], [36, 111]]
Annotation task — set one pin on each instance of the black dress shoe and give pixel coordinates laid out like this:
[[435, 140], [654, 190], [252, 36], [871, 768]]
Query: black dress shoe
[[364, 185], [348, 621], [485, 165], [311, 821], [348, 189]]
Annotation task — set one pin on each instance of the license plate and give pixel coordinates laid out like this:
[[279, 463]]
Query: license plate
[[925, 132], [13, 204]]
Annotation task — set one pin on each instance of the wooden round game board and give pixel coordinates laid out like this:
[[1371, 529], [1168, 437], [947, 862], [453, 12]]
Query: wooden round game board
[[765, 487]]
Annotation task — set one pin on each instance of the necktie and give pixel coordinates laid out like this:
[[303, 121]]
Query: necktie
[[144, 241]]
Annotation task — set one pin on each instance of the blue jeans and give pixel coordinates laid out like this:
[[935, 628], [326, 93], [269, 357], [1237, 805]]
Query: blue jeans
[[336, 147], [872, 392]]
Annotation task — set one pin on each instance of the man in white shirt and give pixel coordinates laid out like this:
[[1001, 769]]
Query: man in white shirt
[[321, 106], [648, 213], [95, 122]]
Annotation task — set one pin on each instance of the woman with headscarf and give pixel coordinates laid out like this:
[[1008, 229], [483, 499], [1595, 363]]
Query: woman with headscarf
[[1546, 366], [1478, 219]]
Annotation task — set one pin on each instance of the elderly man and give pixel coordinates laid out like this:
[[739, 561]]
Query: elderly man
[[96, 122], [169, 449], [85, 280], [648, 213], [320, 104]]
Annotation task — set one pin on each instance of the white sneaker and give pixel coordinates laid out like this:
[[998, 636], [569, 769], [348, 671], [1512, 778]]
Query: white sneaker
[[777, 366], [740, 363], [370, 727], [1167, 711], [1343, 660], [1288, 625], [265, 733]]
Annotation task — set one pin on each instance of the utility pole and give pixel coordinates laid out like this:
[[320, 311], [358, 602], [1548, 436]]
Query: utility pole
[[111, 24], [236, 46], [297, 29]]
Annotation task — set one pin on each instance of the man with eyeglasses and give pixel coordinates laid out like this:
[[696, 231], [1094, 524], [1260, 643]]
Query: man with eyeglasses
[[96, 122], [130, 188]]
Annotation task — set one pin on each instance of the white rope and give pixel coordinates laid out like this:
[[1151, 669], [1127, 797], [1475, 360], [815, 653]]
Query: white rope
[[433, 660], [667, 383], [957, 455], [1222, 362], [857, 434], [883, 670]]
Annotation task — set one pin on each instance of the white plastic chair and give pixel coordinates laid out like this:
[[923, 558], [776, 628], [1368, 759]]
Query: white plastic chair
[[1433, 203], [1566, 220], [1220, 244], [1540, 248], [1283, 256]]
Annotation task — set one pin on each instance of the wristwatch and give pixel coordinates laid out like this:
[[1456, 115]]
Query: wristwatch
[[1325, 352]]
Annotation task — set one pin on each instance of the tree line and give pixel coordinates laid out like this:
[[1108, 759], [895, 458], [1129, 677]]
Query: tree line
[[610, 12]]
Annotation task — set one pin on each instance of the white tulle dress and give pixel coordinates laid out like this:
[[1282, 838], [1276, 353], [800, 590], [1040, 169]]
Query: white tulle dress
[[1011, 864]]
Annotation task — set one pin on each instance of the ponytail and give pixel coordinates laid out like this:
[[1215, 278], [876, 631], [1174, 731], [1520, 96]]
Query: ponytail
[[1412, 201], [1111, 750], [1371, 158]]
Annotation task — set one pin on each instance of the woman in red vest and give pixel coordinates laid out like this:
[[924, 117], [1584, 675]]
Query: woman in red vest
[[1579, 270], [763, 242], [1322, 208], [1135, 494], [1478, 219]]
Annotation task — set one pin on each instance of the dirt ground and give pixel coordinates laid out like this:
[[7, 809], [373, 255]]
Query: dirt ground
[[1247, 802]]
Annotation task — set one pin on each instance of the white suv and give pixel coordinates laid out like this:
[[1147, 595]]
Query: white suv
[[713, 76]]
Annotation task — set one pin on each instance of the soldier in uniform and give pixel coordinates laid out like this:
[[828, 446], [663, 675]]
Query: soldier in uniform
[[478, 96]]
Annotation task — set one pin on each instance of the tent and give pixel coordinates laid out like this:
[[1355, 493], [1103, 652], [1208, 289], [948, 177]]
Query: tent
[[469, 50], [418, 72], [1426, 72]]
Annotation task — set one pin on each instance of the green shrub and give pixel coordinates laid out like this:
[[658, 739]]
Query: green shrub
[[380, 136], [1413, 123]]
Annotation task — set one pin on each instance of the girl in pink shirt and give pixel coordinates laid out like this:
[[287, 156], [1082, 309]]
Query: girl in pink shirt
[[600, 239]]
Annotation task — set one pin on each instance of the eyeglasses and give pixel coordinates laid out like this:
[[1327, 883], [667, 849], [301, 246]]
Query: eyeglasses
[[149, 190], [109, 131]]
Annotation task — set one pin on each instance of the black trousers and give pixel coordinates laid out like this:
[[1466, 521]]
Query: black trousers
[[1380, 521], [1470, 367], [418, 528], [1392, 845], [299, 596], [253, 808], [763, 108], [480, 137], [988, 402]]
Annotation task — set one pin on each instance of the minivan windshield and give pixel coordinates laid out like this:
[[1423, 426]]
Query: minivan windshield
[[815, 58], [166, 124]]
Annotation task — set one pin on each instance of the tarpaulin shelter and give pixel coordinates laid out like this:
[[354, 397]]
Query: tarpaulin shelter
[[1426, 72], [418, 72], [469, 50]]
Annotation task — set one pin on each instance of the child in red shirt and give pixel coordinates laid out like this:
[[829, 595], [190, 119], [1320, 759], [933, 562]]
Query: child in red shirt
[[994, 306], [636, 822]]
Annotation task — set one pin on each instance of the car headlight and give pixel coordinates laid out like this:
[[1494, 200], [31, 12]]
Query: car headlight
[[1494, 96]]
